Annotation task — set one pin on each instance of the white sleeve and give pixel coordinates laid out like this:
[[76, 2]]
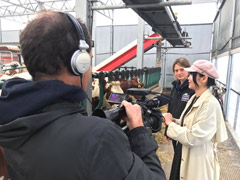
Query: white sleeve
[[202, 130]]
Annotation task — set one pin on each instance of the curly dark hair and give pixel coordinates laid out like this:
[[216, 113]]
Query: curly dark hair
[[48, 42]]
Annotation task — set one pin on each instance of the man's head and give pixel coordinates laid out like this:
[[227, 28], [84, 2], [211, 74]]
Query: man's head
[[48, 43]]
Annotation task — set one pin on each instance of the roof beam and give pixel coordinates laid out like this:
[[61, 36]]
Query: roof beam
[[150, 5], [18, 5]]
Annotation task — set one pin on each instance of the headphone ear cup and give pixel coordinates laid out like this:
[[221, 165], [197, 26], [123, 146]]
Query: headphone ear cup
[[80, 62]]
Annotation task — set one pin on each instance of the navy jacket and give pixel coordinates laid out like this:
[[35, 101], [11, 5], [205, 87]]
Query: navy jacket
[[180, 95], [46, 135]]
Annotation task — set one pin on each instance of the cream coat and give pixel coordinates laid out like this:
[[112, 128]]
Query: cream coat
[[203, 128]]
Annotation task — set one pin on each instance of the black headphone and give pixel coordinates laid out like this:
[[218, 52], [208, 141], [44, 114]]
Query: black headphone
[[80, 60]]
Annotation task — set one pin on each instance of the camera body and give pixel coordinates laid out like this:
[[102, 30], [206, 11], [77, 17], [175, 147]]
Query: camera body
[[151, 115]]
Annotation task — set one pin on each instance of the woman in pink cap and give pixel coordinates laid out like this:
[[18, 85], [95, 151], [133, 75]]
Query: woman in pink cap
[[199, 128], [180, 95]]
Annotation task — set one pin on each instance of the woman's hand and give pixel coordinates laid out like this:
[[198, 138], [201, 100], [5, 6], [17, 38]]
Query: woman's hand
[[168, 118]]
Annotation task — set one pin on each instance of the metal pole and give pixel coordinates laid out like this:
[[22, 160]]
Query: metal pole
[[0, 30], [140, 43], [112, 33], [150, 5], [159, 58], [81, 8], [230, 66], [236, 113], [159, 55], [94, 39], [166, 38], [164, 70], [163, 66], [40, 6], [11, 56]]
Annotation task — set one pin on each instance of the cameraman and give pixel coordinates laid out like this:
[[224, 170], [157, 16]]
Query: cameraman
[[44, 130]]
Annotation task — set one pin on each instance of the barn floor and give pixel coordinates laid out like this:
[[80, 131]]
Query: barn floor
[[228, 154]]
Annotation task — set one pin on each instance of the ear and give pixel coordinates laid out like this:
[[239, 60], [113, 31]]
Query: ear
[[204, 79]]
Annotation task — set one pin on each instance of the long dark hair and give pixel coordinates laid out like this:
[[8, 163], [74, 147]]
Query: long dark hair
[[210, 82]]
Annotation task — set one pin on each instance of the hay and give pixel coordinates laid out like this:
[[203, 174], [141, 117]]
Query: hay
[[159, 136]]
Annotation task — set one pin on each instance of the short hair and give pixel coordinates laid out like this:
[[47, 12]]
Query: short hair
[[210, 82], [181, 62], [48, 42]]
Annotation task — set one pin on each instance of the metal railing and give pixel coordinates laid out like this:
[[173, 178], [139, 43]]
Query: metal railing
[[150, 77]]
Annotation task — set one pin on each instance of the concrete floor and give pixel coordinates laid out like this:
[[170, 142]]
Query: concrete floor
[[228, 151], [228, 154], [229, 157]]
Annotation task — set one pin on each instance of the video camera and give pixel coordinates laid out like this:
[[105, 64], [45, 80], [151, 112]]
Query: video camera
[[152, 116]]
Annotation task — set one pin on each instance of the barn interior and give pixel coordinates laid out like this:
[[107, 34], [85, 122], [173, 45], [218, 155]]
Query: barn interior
[[135, 43]]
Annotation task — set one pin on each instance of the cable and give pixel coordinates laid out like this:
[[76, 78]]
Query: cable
[[89, 100], [82, 87]]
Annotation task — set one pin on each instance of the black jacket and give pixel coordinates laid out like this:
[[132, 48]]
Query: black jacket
[[46, 136], [180, 95]]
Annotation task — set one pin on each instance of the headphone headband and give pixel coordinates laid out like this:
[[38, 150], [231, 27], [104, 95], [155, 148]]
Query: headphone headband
[[77, 26], [80, 60]]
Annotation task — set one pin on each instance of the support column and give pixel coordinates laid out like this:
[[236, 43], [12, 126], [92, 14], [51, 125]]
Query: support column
[[159, 58], [40, 6], [229, 71], [159, 54], [1, 30], [140, 43], [112, 34], [83, 11], [163, 65], [163, 72], [94, 38]]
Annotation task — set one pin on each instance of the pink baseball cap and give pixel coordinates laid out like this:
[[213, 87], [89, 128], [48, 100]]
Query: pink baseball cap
[[204, 67]]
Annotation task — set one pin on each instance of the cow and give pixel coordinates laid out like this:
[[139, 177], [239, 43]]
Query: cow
[[133, 83], [119, 86]]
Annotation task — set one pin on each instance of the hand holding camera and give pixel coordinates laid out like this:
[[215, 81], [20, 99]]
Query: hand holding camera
[[133, 116], [151, 116]]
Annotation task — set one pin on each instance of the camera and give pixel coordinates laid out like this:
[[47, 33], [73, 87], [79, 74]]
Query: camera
[[151, 115]]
